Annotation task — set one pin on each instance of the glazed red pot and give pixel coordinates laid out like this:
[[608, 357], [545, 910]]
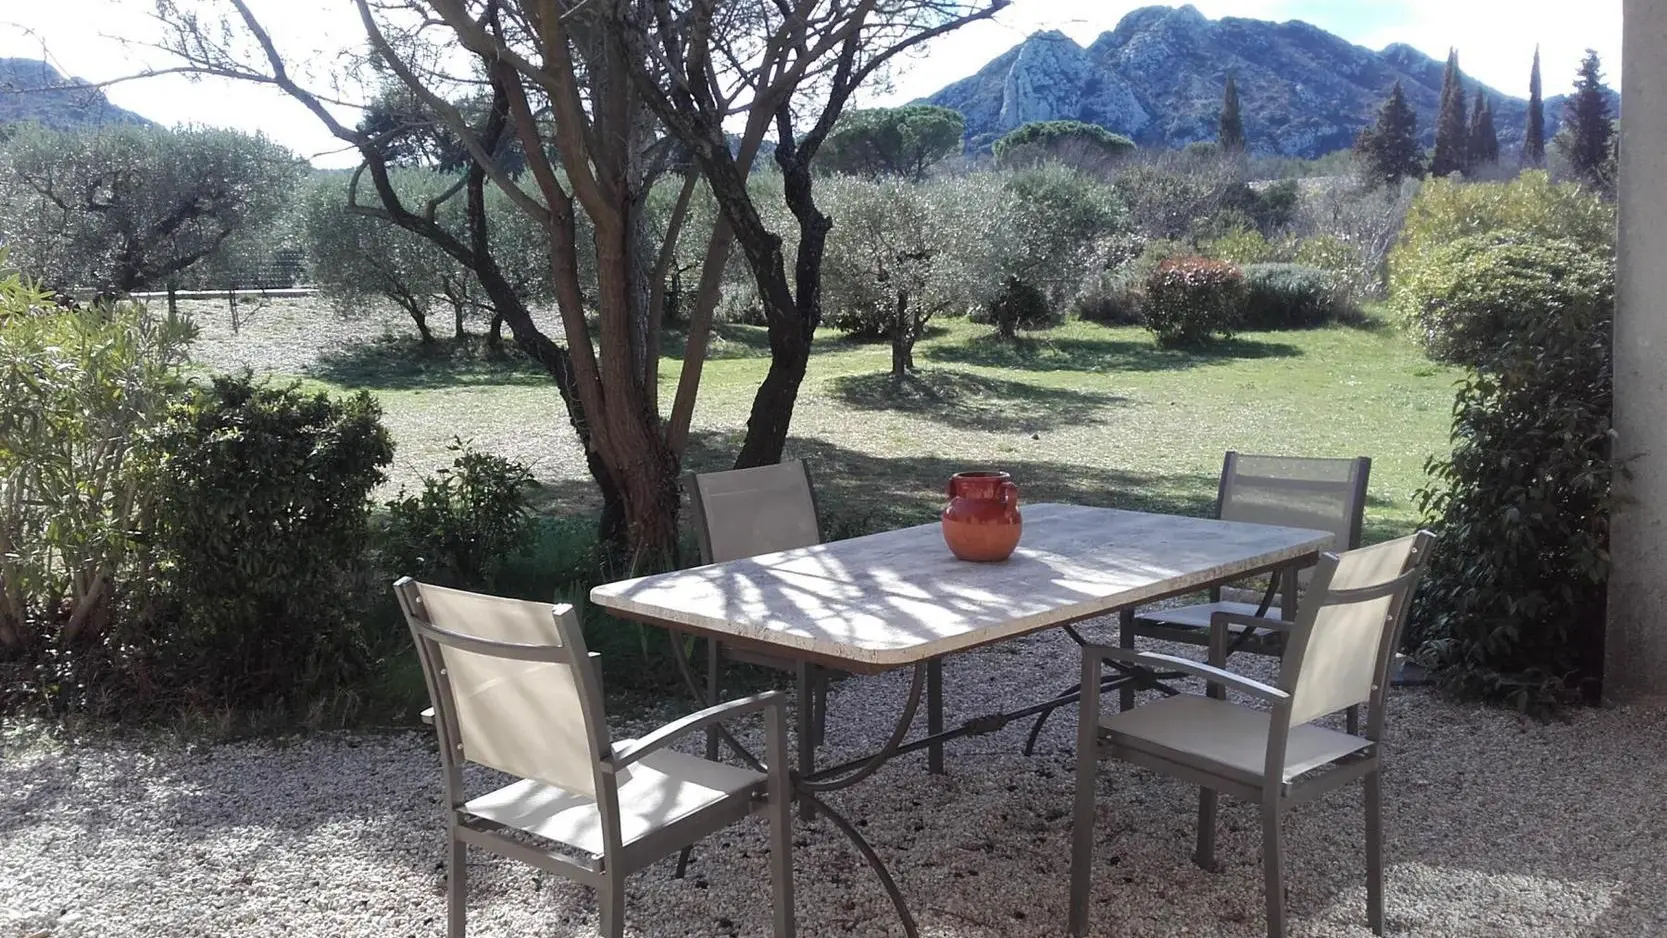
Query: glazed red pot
[[981, 522]]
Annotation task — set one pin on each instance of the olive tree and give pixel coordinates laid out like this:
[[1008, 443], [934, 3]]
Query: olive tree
[[901, 253], [121, 208]]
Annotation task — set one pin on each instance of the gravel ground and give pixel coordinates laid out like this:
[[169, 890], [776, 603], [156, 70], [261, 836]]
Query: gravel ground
[[1498, 826]]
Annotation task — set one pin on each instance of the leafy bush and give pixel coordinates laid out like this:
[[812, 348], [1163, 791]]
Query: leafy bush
[[1052, 220], [1241, 246], [260, 541], [1018, 306], [1190, 299], [1447, 210], [77, 386], [1513, 602], [1349, 230], [463, 527], [1110, 298], [1291, 296], [1469, 293]]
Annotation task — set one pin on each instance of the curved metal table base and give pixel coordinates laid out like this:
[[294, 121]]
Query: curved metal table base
[[809, 787]]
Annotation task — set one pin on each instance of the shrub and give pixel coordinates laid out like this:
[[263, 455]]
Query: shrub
[[1290, 296], [1052, 220], [1353, 228], [1447, 210], [1018, 306], [1240, 246], [1190, 299], [77, 386], [1110, 298], [260, 541], [463, 527], [1512, 605], [1469, 293]]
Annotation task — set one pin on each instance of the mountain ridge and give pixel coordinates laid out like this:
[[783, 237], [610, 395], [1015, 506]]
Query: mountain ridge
[[32, 90], [1158, 77]]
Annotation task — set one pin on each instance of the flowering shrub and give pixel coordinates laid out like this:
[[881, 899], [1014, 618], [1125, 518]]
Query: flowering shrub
[[1190, 299]]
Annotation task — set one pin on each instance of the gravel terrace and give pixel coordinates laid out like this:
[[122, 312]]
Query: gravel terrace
[[1498, 826]]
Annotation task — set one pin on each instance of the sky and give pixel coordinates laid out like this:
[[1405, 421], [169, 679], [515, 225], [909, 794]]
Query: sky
[[101, 40]]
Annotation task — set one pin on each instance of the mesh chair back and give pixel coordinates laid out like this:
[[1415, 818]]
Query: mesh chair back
[[1348, 627], [511, 683], [1297, 492], [744, 512]]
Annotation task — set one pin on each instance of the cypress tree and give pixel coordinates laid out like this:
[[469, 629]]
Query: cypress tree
[[1389, 148], [1585, 140], [1451, 128], [1231, 134], [1482, 148], [1533, 140]]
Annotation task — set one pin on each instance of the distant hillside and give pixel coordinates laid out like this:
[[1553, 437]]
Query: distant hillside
[[32, 90], [1159, 77]]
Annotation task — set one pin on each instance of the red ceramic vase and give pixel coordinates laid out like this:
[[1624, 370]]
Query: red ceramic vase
[[981, 522]]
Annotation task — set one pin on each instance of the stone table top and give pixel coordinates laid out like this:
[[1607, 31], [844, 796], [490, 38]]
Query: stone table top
[[897, 598]]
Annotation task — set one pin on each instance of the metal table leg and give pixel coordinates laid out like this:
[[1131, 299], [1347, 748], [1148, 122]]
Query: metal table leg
[[934, 714]]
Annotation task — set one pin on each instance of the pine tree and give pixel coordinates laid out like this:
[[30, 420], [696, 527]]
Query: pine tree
[[1231, 135], [1533, 140], [1482, 148], [1389, 149], [1585, 140], [1451, 128]]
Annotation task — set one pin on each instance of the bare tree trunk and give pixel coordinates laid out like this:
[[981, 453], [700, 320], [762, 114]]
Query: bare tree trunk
[[903, 336]]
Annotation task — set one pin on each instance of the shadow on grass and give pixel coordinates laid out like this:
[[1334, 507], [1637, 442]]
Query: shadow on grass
[[401, 362], [973, 402], [735, 340], [1040, 353]]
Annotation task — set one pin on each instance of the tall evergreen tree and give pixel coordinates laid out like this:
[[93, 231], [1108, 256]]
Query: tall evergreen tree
[[1586, 138], [1482, 148], [1389, 148], [1451, 127], [1533, 139], [1231, 135]]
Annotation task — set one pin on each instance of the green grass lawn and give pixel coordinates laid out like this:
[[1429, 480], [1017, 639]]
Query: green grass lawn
[[1080, 413]]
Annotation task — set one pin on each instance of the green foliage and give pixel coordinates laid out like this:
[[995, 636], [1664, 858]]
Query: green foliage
[[1082, 146], [1110, 298], [1451, 128], [901, 253], [1481, 150], [1019, 305], [468, 521], [1191, 299], [1269, 206], [1052, 219], [1533, 140], [123, 208], [1230, 127], [260, 541], [901, 141], [1241, 246], [1291, 296], [1472, 291], [1446, 211], [77, 387], [1512, 606], [1388, 150], [1585, 141], [358, 258]]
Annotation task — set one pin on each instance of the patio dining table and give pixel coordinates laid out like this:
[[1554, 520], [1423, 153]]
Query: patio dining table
[[900, 599]]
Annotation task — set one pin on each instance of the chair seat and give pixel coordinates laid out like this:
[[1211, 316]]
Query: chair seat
[[1198, 616], [1222, 737], [664, 788]]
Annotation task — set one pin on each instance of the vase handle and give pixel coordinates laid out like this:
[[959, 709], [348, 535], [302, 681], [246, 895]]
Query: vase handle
[[1008, 493]]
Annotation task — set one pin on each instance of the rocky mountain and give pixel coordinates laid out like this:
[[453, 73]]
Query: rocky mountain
[[1159, 76], [32, 90]]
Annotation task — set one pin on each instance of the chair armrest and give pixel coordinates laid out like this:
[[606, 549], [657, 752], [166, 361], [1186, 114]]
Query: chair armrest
[[1209, 673], [665, 735]]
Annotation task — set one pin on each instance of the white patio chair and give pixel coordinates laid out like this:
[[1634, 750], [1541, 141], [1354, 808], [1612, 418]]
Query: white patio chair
[[1298, 492], [1337, 655], [514, 690]]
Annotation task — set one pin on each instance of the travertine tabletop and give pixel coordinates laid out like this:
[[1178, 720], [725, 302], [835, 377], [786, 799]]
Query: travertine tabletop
[[897, 598]]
